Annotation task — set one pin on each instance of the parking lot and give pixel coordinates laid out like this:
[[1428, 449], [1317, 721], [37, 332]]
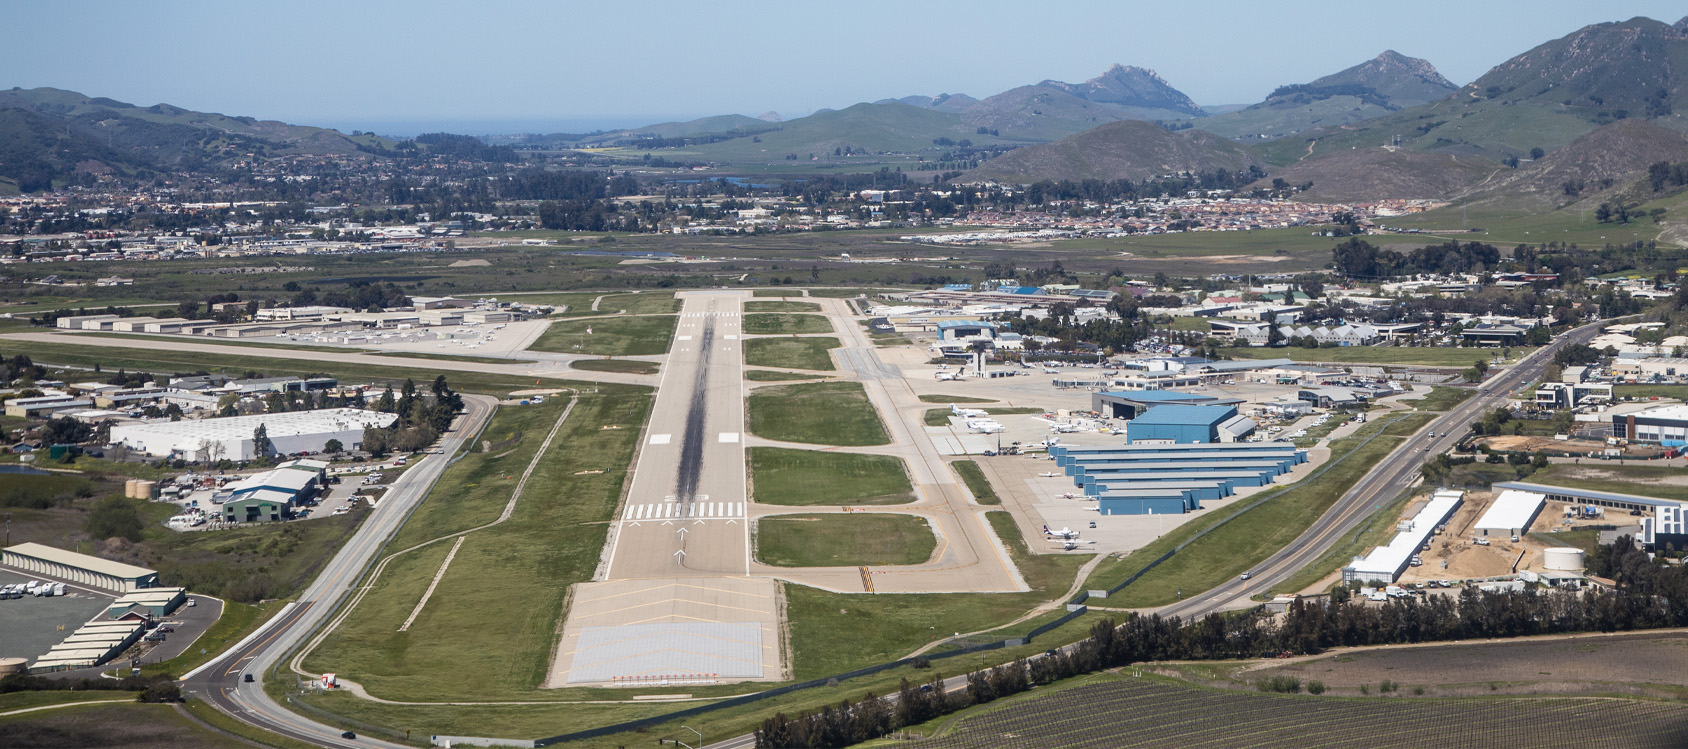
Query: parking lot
[[29, 626]]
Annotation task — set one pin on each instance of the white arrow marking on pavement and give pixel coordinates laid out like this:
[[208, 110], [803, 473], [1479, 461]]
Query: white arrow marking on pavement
[[682, 532]]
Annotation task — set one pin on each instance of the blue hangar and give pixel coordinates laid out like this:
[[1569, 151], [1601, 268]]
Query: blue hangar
[[1188, 425], [1157, 479]]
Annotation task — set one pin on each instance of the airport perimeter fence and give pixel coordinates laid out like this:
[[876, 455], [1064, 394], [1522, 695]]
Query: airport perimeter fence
[[634, 725]]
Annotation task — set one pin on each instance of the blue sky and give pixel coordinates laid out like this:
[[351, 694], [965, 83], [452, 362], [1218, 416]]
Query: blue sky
[[485, 67]]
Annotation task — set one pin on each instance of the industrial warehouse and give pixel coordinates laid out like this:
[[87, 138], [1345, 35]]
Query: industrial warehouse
[[79, 568], [1161, 479], [232, 437]]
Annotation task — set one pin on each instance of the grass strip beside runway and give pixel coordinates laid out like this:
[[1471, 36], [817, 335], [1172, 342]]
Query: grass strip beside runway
[[626, 366], [852, 540], [974, 476], [785, 324], [781, 306], [782, 476], [489, 631], [618, 336], [791, 353], [820, 413]]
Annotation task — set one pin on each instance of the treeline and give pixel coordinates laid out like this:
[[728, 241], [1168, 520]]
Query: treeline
[[1357, 258], [1664, 174], [359, 295], [422, 418], [1306, 93], [535, 184], [1650, 595]]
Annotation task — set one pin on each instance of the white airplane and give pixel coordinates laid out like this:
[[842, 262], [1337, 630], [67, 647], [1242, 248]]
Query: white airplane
[[1070, 495], [988, 426], [1049, 474], [967, 412], [1066, 533], [948, 376], [1071, 545]]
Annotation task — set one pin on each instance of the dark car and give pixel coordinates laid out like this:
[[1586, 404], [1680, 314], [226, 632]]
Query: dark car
[[248, 679], [348, 735]]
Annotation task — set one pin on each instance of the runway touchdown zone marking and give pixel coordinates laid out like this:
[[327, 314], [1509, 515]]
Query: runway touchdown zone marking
[[661, 439]]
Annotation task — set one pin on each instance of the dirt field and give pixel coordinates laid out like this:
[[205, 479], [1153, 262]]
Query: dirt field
[[1642, 664], [1144, 712]]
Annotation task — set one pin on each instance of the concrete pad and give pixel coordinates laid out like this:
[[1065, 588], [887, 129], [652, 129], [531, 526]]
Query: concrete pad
[[691, 630]]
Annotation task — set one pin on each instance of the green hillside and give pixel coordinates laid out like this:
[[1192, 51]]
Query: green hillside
[[1128, 149], [1387, 83], [1544, 98]]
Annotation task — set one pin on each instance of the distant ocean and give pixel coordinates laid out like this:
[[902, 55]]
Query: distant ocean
[[412, 128]]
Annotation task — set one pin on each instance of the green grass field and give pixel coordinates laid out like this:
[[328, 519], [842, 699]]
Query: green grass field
[[553, 539], [782, 476], [1192, 324], [758, 306], [821, 413], [627, 366], [128, 725], [974, 477], [853, 540], [779, 323], [580, 303], [1242, 543], [791, 353], [1441, 399], [1430, 356], [764, 375], [619, 336]]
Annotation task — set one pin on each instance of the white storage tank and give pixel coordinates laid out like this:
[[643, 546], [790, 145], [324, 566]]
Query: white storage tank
[[1564, 559]]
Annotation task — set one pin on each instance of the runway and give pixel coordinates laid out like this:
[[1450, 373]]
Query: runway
[[674, 601]]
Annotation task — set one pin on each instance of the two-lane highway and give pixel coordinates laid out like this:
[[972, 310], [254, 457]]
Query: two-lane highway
[[221, 682]]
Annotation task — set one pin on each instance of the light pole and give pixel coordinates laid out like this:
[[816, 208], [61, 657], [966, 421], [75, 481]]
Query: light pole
[[699, 738]]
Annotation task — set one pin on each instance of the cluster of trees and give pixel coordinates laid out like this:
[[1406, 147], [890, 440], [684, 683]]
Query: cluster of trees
[[422, 417], [1622, 213], [21, 368], [1357, 258], [360, 294], [1663, 174], [49, 319]]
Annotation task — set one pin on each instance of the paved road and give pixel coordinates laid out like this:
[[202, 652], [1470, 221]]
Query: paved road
[[1382, 483], [220, 683]]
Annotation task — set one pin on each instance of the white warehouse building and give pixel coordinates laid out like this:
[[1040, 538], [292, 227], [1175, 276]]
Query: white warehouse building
[[231, 437]]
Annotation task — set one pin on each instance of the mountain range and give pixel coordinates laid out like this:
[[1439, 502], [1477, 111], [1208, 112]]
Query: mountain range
[[1391, 126]]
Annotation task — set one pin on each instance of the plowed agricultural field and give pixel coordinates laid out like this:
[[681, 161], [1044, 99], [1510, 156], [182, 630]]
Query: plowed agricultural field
[[1153, 713]]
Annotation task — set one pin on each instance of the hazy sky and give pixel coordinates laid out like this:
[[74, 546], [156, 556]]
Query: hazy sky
[[488, 66]]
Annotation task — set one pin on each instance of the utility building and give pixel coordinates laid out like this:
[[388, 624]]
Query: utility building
[[231, 437]]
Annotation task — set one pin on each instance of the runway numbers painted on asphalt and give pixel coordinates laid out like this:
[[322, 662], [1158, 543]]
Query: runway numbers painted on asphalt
[[729, 436], [674, 510], [661, 439]]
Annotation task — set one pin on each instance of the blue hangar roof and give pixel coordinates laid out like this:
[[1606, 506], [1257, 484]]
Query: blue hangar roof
[[942, 324], [1187, 415]]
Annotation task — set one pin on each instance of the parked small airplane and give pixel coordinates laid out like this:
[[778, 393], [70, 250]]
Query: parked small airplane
[[1066, 533], [1049, 474]]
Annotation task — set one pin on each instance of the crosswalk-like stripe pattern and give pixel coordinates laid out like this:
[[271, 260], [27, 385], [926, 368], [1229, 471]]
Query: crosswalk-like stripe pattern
[[674, 510]]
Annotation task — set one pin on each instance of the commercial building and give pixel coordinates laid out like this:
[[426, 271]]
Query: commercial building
[[1188, 425], [1386, 563], [950, 330], [1665, 425], [79, 568], [1511, 513], [1557, 395], [231, 437]]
